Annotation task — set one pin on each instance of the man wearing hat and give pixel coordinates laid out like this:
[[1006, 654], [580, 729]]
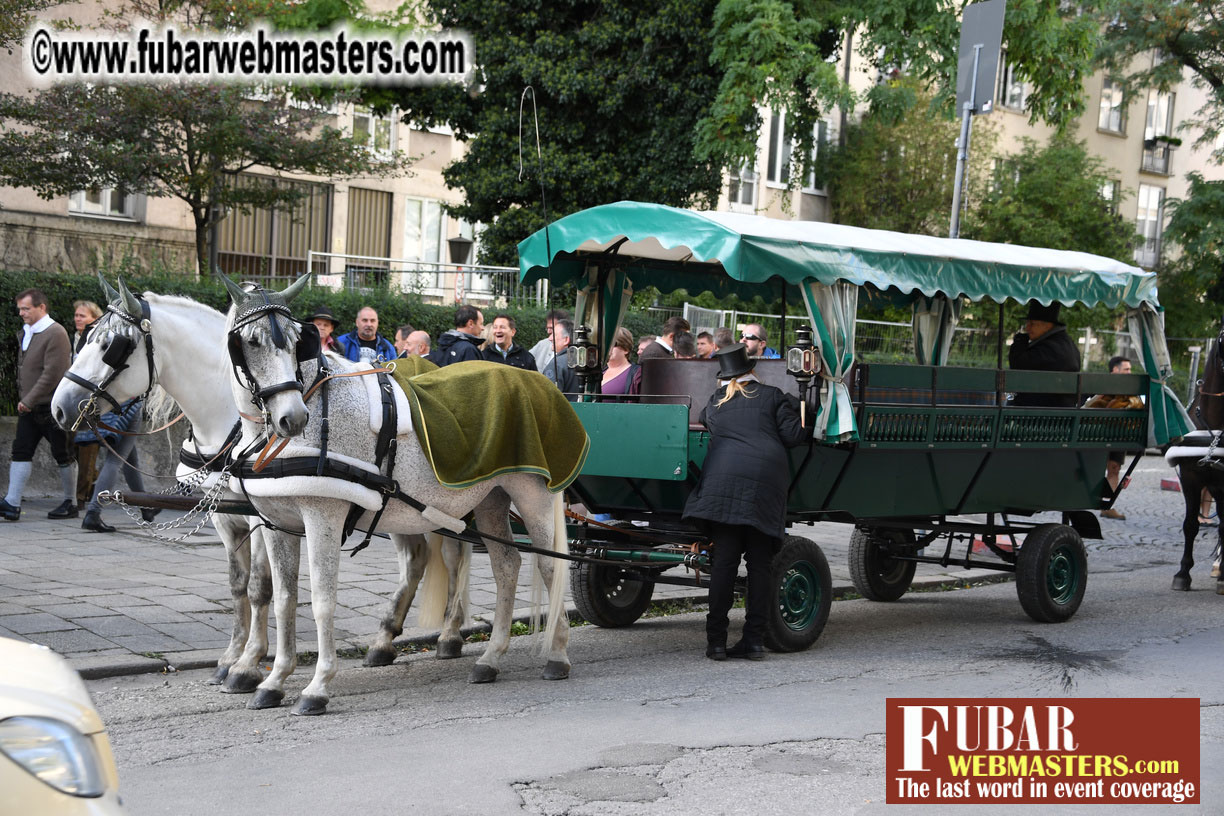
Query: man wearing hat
[[1044, 345], [326, 323]]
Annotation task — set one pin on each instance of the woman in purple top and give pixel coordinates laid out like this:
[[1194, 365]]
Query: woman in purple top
[[618, 376]]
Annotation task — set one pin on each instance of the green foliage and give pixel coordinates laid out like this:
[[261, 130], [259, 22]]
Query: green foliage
[[1050, 196], [787, 55], [17, 17], [619, 86], [62, 289], [898, 174], [1192, 286]]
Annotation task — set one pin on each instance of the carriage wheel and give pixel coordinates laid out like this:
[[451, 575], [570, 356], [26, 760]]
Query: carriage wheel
[[608, 596], [805, 594], [878, 576], [1051, 573]]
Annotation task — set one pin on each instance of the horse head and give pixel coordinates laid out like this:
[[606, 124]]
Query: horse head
[[266, 346], [108, 369]]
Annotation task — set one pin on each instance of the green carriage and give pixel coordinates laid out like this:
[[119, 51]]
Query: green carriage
[[904, 453]]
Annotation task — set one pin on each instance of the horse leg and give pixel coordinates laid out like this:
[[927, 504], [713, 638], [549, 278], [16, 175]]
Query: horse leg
[[233, 532], [322, 520], [410, 551], [244, 676], [456, 557], [1217, 492], [493, 516], [284, 560], [545, 522], [1191, 489]]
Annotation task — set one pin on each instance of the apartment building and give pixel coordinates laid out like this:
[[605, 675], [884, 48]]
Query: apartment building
[[1144, 139], [355, 231]]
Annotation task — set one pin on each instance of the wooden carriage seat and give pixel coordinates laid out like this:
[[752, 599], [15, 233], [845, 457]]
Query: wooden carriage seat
[[669, 381]]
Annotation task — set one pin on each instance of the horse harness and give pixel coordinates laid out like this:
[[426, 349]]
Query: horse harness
[[117, 355], [385, 447]]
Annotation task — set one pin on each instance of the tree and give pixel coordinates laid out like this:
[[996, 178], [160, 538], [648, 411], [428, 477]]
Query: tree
[[784, 56], [618, 87], [1192, 285], [898, 175], [17, 17], [190, 142]]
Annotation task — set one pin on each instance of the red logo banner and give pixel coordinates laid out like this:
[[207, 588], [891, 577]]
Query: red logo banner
[[1125, 751]]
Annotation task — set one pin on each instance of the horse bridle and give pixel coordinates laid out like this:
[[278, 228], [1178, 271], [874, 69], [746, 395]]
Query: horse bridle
[[308, 347], [117, 355]]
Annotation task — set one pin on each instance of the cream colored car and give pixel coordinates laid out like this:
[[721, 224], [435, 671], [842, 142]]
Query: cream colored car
[[55, 757]]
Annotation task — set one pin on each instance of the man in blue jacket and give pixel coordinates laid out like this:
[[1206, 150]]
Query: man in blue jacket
[[462, 342], [365, 343], [503, 349]]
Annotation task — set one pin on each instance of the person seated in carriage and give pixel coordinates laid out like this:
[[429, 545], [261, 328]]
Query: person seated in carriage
[[1044, 345]]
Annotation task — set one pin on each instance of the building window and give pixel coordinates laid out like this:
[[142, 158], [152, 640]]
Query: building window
[[1149, 225], [741, 190], [109, 202], [1013, 92], [778, 167], [1109, 194], [815, 181], [376, 132], [1157, 128], [369, 235], [274, 245], [424, 235], [1112, 116]]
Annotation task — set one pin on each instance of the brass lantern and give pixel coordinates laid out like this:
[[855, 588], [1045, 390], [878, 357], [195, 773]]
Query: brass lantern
[[803, 362]]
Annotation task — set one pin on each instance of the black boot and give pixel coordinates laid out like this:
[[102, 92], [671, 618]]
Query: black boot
[[66, 510], [93, 521], [149, 513], [746, 650], [715, 652]]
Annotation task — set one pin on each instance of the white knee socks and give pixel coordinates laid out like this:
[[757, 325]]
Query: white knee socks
[[19, 474], [68, 477]]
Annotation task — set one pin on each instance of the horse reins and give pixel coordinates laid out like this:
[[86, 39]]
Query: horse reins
[[116, 357]]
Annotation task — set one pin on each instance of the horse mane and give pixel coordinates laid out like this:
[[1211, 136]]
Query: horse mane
[[160, 407], [1207, 408], [258, 330]]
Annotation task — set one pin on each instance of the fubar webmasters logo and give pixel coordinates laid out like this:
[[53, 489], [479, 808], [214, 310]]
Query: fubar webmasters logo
[[1030, 750]]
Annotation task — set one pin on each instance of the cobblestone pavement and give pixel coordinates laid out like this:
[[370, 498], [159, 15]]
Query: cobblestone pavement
[[126, 602]]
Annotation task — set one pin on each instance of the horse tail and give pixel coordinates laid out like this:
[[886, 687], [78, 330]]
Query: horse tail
[[463, 584], [556, 592], [434, 593]]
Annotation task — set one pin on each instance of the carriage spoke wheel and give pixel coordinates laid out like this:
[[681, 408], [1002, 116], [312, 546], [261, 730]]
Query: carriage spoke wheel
[[1051, 573], [876, 575], [607, 596], [804, 594]]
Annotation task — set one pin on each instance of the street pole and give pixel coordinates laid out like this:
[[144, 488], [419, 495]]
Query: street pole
[[962, 147]]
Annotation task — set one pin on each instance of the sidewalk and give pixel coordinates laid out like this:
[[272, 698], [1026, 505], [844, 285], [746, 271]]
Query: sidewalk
[[126, 603]]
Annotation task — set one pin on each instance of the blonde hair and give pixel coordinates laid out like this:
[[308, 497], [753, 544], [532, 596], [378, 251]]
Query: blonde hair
[[735, 387], [88, 305]]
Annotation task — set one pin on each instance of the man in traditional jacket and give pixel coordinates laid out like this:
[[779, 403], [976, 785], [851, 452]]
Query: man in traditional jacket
[[1044, 345]]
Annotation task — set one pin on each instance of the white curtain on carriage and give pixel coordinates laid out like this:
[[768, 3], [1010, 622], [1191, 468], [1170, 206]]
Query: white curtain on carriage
[[934, 322], [832, 309], [1167, 419], [603, 314]]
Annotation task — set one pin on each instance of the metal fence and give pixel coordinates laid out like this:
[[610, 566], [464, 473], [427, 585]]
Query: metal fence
[[431, 281]]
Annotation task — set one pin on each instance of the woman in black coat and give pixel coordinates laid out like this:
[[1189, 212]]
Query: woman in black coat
[[741, 495]]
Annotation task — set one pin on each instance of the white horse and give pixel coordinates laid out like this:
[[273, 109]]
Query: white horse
[[268, 361], [189, 362]]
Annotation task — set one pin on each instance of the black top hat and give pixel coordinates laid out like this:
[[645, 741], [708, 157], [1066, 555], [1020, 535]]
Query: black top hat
[[326, 314], [733, 361], [1047, 313]]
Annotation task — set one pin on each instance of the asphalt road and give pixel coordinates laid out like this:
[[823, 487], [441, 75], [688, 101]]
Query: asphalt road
[[646, 725]]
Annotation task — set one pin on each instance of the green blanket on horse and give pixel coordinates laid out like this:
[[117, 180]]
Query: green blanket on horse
[[477, 420]]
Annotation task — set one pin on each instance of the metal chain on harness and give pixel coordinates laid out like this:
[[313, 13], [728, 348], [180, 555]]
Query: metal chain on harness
[[204, 508]]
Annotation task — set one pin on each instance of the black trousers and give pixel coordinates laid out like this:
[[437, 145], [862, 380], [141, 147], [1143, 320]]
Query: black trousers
[[35, 426], [731, 543]]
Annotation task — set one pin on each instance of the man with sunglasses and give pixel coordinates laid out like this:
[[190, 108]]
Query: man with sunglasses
[[45, 355], [756, 341]]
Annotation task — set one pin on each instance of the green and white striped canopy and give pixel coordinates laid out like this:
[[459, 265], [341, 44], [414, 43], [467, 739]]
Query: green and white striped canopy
[[724, 252]]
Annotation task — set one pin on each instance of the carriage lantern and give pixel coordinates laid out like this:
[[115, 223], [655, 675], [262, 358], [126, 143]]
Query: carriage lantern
[[584, 357], [803, 363]]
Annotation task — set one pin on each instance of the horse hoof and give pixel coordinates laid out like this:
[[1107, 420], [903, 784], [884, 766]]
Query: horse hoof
[[379, 657], [266, 698], [308, 706], [450, 649], [242, 682], [556, 670], [1181, 583], [482, 674], [218, 676]]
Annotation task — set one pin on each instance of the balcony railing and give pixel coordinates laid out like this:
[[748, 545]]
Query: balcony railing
[[1156, 157]]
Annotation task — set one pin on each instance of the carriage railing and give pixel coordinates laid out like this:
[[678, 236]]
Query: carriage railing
[[939, 407]]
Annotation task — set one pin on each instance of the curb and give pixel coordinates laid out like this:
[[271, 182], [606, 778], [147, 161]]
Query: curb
[[100, 668]]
